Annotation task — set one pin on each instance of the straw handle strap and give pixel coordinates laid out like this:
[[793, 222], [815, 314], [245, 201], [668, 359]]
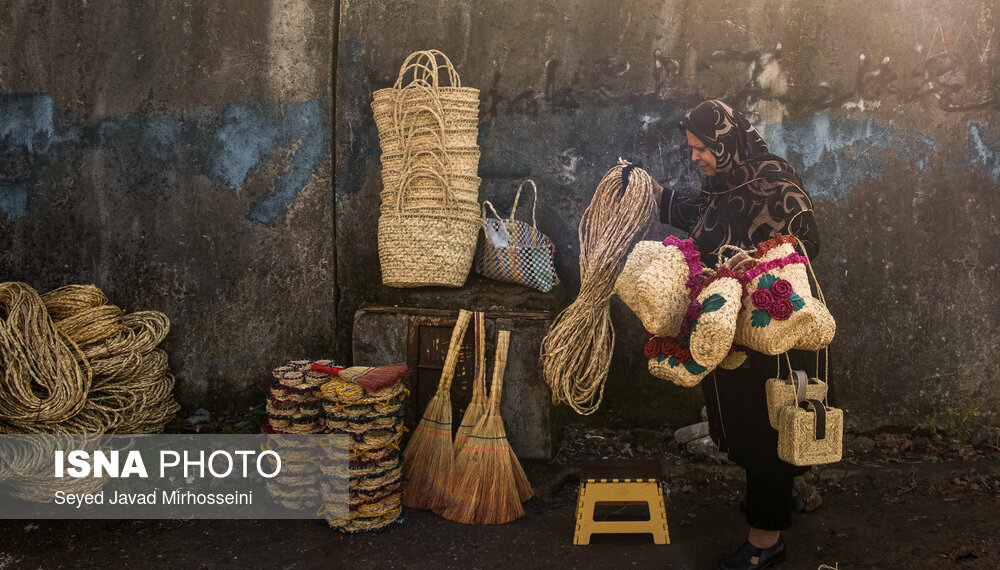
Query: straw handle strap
[[499, 366], [413, 173], [534, 202], [454, 348], [426, 61], [726, 247], [819, 291], [479, 381], [488, 204]]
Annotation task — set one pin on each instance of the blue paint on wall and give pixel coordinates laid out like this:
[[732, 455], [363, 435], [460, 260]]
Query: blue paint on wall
[[26, 119], [305, 119], [983, 154], [834, 156], [224, 147]]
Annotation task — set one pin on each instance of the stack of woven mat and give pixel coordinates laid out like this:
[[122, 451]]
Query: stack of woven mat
[[366, 404], [293, 405]]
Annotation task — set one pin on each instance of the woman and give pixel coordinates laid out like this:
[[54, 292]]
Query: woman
[[748, 196]]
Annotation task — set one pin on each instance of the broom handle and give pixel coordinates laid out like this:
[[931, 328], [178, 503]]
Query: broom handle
[[499, 365], [454, 347], [479, 382]]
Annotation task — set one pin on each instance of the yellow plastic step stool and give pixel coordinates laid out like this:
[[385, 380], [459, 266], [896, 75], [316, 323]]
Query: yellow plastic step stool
[[621, 482]]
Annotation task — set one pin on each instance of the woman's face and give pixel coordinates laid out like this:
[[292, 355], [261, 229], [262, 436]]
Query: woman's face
[[701, 155]]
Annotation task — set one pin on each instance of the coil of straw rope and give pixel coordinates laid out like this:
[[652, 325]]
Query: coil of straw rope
[[94, 370], [576, 352]]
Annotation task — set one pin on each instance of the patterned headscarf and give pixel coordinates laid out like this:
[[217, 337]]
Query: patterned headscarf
[[751, 182]]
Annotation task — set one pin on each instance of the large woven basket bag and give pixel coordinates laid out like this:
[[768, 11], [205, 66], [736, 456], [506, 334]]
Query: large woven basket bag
[[419, 248], [779, 311], [514, 252], [652, 285], [809, 432], [707, 322]]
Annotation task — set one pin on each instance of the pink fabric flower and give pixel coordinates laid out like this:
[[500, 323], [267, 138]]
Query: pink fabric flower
[[781, 310], [781, 288], [763, 299]]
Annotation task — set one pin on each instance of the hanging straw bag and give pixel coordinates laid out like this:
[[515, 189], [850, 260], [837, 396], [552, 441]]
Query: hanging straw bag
[[514, 252], [653, 285], [779, 311], [781, 393], [810, 432]]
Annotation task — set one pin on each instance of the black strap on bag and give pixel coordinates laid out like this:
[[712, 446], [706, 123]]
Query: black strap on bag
[[820, 410]]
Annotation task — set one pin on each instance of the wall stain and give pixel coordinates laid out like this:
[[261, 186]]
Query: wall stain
[[222, 147]]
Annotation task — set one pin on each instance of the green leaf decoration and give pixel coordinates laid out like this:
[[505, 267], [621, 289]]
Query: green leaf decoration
[[713, 303], [661, 358], [694, 325], [672, 361], [694, 368], [797, 302], [766, 281], [759, 318]]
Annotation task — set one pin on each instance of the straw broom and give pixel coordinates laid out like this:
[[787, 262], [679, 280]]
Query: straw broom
[[477, 406], [429, 458], [487, 473]]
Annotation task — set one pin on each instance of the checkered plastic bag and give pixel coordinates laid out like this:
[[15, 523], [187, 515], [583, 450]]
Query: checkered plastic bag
[[515, 252]]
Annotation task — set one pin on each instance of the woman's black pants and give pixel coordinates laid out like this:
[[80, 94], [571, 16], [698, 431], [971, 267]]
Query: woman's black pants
[[769, 502]]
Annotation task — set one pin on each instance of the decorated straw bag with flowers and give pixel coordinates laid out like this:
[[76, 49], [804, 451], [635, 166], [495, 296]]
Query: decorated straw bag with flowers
[[810, 432], [707, 324], [779, 311]]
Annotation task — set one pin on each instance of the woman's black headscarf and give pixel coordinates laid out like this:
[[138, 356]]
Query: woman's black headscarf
[[750, 183]]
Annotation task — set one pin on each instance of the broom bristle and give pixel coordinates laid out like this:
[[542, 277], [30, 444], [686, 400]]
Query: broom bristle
[[428, 461], [484, 491]]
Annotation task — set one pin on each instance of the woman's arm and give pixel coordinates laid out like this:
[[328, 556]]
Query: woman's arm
[[677, 210]]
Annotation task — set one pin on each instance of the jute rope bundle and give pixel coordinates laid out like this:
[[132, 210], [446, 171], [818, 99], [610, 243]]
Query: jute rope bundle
[[42, 382], [576, 352], [94, 370]]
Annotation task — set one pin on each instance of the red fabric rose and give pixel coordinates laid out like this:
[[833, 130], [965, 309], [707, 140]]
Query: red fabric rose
[[652, 349], [763, 299], [781, 310], [781, 288], [668, 345], [682, 355]]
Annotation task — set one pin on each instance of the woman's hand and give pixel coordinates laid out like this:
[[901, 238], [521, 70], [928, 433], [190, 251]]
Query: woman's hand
[[657, 192]]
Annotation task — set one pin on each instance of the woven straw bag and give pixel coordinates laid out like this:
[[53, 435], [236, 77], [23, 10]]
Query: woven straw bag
[[781, 393], [514, 252], [810, 432], [652, 285], [429, 216], [704, 336], [779, 311]]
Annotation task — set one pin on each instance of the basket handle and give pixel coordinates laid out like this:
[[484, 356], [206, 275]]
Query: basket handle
[[726, 247], [499, 366], [534, 202], [426, 60], [454, 348], [488, 204], [800, 380], [423, 152], [420, 171], [820, 410]]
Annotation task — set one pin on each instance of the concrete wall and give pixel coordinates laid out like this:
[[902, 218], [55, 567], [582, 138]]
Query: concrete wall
[[889, 109], [177, 155], [180, 155]]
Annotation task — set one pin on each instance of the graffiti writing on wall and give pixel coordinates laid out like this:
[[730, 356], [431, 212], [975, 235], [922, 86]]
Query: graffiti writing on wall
[[223, 147]]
